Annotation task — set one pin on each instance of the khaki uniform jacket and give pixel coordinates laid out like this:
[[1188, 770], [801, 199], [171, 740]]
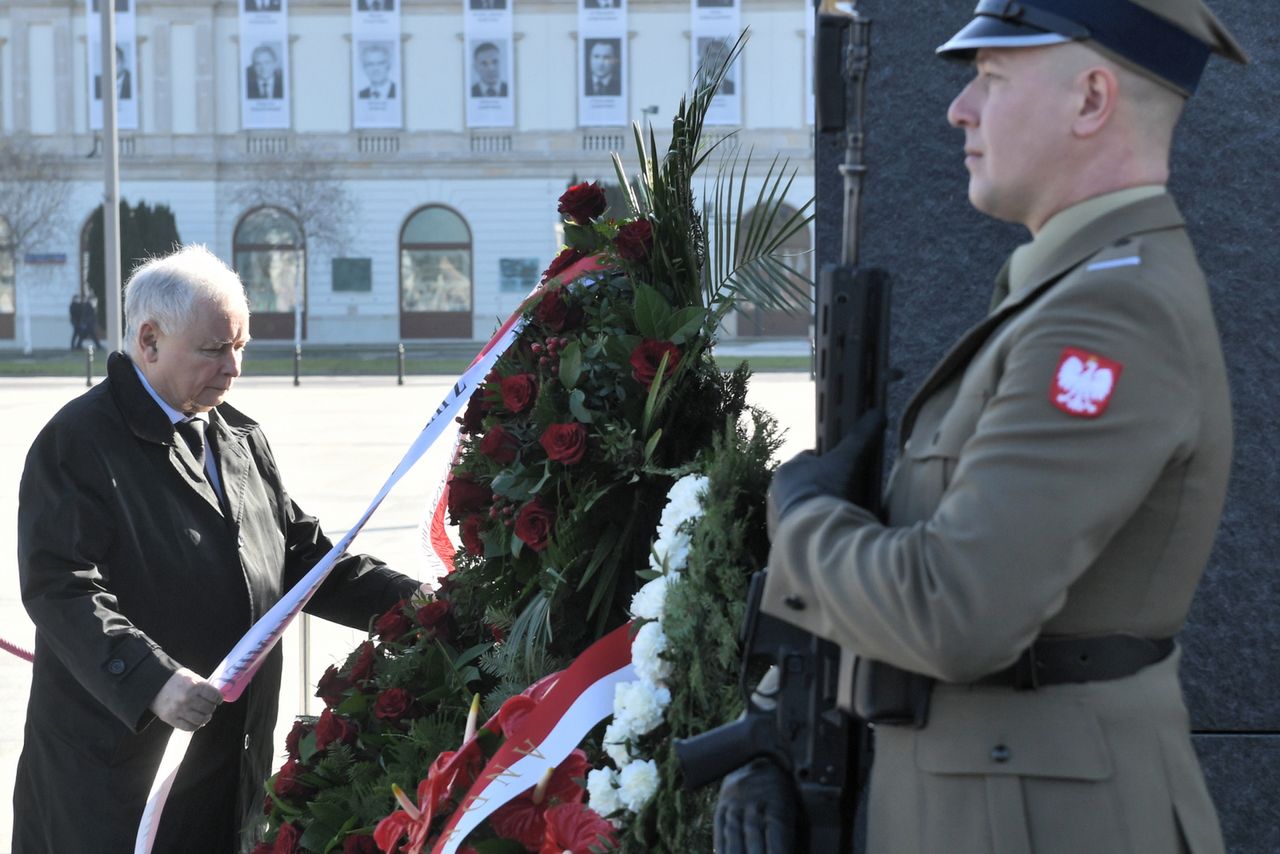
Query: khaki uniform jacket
[[1038, 494]]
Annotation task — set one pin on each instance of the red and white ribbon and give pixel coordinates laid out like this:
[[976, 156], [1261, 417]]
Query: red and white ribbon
[[580, 699]]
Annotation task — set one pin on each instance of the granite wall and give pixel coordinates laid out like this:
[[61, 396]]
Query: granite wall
[[944, 256]]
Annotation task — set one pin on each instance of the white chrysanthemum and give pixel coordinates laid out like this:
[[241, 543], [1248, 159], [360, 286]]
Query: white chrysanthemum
[[602, 790], [646, 653], [670, 551], [616, 736], [651, 599], [638, 706], [637, 784]]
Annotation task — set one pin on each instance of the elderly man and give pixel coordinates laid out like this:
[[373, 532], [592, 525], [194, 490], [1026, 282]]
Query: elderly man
[[153, 530], [1060, 479]]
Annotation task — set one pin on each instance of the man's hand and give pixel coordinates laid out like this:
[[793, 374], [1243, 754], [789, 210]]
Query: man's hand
[[186, 701], [756, 812], [808, 475]]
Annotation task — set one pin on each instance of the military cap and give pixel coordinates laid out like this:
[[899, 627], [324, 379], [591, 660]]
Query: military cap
[[1169, 40]]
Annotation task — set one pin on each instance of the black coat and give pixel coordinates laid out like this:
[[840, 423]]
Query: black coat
[[130, 569]]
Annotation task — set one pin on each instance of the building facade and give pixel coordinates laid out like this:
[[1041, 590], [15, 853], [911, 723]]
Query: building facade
[[449, 169]]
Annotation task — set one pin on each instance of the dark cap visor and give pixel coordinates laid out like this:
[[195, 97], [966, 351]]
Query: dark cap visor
[[985, 31]]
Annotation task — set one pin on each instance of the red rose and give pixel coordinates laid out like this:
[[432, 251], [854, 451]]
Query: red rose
[[295, 735], [533, 524], [331, 728], [472, 419], [391, 625], [331, 687], [261, 848], [288, 783], [434, 617], [471, 535], [287, 839], [576, 828], [565, 443], [556, 314], [583, 202], [566, 259], [646, 357], [392, 704], [360, 845], [634, 241], [518, 392], [499, 445], [362, 670], [466, 497]]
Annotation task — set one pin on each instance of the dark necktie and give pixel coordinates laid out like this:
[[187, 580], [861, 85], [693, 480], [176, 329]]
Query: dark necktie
[[492, 93], [192, 432]]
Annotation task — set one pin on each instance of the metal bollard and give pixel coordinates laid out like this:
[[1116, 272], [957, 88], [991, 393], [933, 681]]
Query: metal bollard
[[297, 364], [400, 364], [88, 366]]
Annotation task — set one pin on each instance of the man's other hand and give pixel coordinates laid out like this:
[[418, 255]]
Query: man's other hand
[[756, 812], [186, 701], [808, 475]]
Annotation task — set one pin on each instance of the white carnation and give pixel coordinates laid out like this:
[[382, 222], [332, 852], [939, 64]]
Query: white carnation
[[602, 790], [637, 784], [651, 599], [670, 551], [616, 736], [646, 653], [683, 501], [638, 706]]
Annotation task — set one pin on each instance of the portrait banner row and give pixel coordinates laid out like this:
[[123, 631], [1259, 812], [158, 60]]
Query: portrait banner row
[[375, 65], [715, 27], [264, 57], [126, 65], [489, 79]]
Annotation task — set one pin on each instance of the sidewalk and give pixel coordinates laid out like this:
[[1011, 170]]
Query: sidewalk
[[336, 440]]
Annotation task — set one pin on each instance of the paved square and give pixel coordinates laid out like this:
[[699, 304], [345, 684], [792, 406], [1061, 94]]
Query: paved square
[[336, 440]]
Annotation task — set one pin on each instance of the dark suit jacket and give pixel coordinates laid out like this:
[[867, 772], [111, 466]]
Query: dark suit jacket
[[130, 568], [367, 5], [124, 90], [262, 5], [367, 92], [477, 90], [611, 86], [252, 89]]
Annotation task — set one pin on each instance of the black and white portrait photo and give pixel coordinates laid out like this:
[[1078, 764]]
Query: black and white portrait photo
[[712, 4], [489, 68], [375, 63], [124, 77], [121, 6], [602, 67], [264, 78], [487, 4], [602, 4], [712, 53], [375, 5], [262, 5]]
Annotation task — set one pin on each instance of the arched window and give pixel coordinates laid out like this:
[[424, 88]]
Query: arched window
[[435, 275], [8, 288], [270, 255], [757, 322]]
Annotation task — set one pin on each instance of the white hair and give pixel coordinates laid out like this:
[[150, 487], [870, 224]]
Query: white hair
[[165, 291]]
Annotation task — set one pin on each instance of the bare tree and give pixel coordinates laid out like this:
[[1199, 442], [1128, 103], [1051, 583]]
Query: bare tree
[[34, 191], [305, 183]]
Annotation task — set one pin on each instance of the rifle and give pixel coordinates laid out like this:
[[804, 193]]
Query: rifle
[[826, 751]]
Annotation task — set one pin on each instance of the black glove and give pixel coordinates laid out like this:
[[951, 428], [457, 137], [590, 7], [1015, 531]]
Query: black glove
[[756, 812], [807, 475]]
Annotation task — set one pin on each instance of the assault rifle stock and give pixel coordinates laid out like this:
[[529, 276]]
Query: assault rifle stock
[[796, 721]]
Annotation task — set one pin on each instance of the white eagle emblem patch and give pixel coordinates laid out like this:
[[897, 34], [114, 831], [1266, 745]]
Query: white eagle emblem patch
[[1084, 383]]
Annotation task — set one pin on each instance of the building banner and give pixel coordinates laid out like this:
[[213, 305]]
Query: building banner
[[126, 65], [715, 26], [602, 63], [489, 64], [375, 65], [810, 93], [264, 58]]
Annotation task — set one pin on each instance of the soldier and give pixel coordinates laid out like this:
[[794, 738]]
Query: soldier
[[1060, 479]]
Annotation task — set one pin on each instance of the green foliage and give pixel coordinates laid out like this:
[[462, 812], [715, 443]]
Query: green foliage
[[146, 232], [704, 613]]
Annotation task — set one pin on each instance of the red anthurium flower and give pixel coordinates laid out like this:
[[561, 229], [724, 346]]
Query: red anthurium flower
[[575, 829], [412, 819], [523, 819], [511, 715]]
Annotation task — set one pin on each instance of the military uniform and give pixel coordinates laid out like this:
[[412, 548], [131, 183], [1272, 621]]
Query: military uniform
[[1062, 473]]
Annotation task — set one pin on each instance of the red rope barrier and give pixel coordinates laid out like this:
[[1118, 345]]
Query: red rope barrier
[[16, 650]]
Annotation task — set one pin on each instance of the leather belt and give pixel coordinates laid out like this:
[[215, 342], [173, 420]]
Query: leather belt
[[1054, 661]]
